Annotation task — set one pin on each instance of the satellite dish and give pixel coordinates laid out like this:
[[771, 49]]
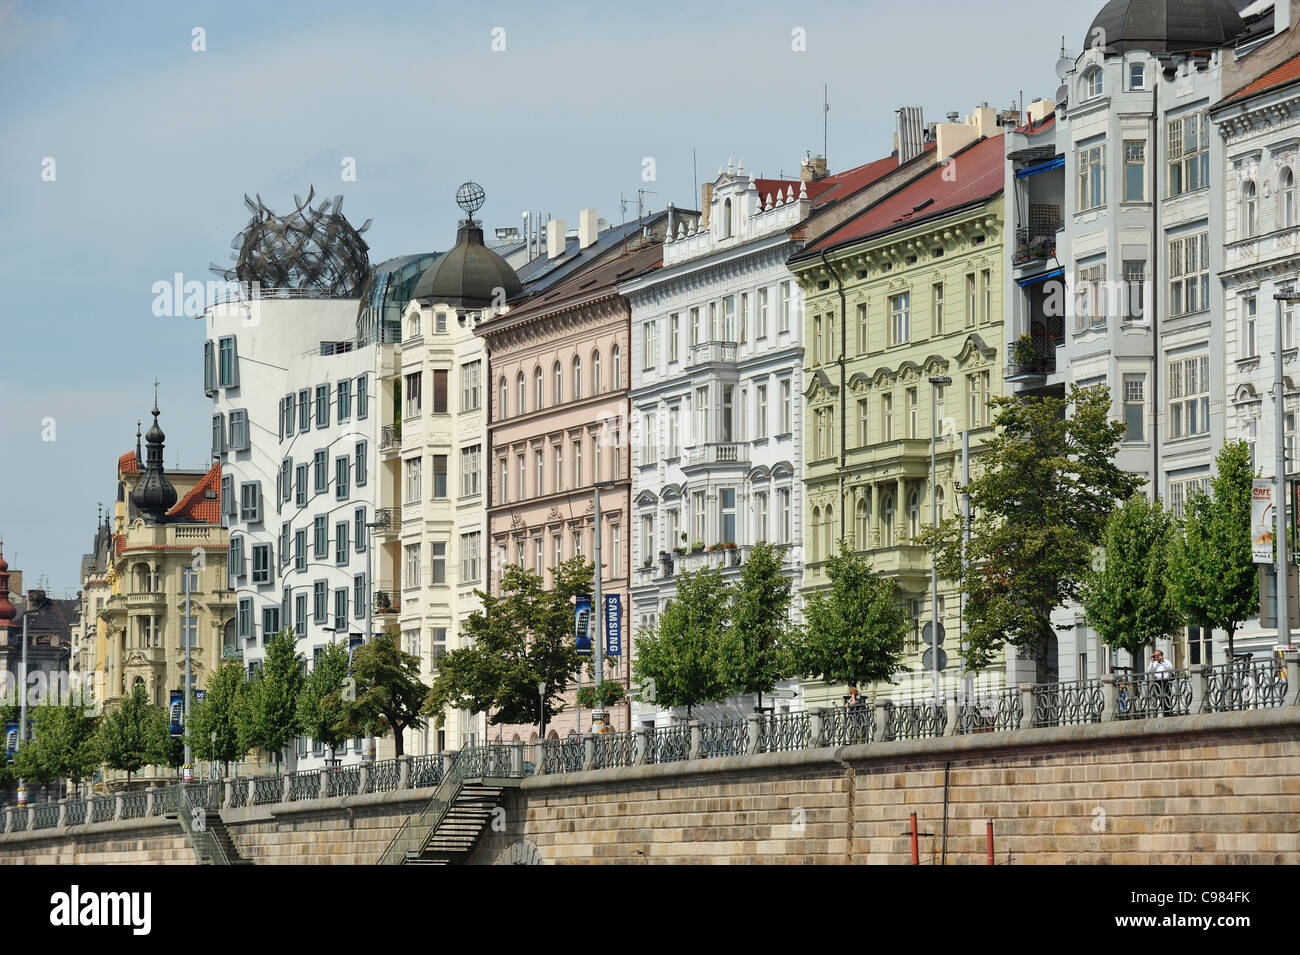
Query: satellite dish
[[1062, 94], [1063, 66]]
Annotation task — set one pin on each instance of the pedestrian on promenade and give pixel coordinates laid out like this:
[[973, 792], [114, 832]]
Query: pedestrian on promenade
[[853, 699], [1160, 674]]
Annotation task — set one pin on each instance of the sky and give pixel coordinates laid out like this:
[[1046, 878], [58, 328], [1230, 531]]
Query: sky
[[130, 132]]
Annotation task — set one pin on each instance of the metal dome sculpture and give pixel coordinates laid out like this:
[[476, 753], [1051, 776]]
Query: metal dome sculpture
[[470, 197], [311, 250]]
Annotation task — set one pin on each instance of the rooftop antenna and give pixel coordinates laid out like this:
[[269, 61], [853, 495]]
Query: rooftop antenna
[[695, 171], [826, 112]]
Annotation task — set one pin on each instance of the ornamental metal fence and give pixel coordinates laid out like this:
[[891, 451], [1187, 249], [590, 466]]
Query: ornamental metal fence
[[238, 793], [45, 815], [848, 725], [1244, 685], [103, 808], [267, 790], [916, 719], [205, 795], [784, 732], [385, 775], [76, 812], [726, 738], [426, 770], [613, 749], [343, 781], [18, 820], [669, 744], [562, 755], [996, 712], [1068, 704], [304, 784], [135, 804], [1141, 696]]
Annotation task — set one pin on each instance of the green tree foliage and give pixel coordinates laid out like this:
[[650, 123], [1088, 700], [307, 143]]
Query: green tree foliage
[[756, 651], [515, 641], [389, 692], [62, 747], [134, 734], [322, 711], [1212, 575], [1126, 596], [219, 713], [682, 664], [1048, 483], [268, 718], [854, 630]]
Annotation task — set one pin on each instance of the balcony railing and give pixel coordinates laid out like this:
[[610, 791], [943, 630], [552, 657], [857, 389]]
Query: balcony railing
[[706, 352], [719, 453], [390, 437]]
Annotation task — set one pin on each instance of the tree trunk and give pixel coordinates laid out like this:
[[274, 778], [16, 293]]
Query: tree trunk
[[397, 739], [1231, 631]]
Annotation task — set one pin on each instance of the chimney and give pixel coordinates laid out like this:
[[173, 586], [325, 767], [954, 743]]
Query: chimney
[[554, 239], [1040, 109], [909, 140], [587, 228], [706, 200]]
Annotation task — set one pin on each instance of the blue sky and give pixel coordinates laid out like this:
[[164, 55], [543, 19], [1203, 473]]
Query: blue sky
[[155, 143]]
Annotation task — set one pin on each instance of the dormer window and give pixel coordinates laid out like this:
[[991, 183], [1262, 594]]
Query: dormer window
[[1092, 85], [726, 219]]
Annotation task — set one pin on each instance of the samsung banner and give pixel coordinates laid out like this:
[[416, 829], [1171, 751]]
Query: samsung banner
[[582, 626], [1261, 521], [11, 739], [177, 702], [613, 625]]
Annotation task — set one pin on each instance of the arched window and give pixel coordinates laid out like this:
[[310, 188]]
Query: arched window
[[522, 404], [559, 384], [595, 372], [887, 521], [816, 534], [1286, 198], [1092, 85], [914, 515], [863, 529], [938, 506], [830, 532], [615, 356], [726, 219], [537, 379], [1249, 210], [505, 395], [577, 377]]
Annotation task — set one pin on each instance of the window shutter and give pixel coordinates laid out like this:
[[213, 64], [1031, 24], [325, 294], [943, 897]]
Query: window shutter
[[440, 391], [234, 363], [362, 408], [209, 369]]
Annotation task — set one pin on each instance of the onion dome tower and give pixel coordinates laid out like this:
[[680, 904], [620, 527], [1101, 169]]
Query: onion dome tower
[[1165, 26], [154, 495]]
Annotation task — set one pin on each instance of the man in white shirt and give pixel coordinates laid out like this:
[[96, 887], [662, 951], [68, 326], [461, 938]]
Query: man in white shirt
[[1160, 673]]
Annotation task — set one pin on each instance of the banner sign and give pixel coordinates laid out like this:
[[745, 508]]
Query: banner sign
[[1261, 521], [353, 643], [11, 738], [1293, 523], [198, 697], [582, 626], [613, 625], [177, 703]]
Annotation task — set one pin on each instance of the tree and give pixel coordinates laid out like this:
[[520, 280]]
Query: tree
[[681, 665], [134, 734], [517, 640], [1212, 575], [1047, 485], [62, 745], [1126, 597], [269, 715], [755, 653], [322, 711], [219, 713], [389, 691], [853, 631]]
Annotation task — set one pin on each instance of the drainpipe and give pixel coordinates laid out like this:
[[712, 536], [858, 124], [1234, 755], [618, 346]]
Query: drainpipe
[[843, 347]]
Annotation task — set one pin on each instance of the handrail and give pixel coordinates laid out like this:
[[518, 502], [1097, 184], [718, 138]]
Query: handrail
[[204, 843]]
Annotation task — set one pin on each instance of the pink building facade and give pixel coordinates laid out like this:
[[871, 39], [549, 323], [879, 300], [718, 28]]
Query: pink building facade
[[559, 378]]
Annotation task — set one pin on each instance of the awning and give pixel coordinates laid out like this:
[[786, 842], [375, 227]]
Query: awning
[[1056, 163], [1054, 274]]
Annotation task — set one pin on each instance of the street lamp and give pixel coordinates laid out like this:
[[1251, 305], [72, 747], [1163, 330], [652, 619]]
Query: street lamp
[[936, 382], [597, 629], [1279, 486], [541, 710]]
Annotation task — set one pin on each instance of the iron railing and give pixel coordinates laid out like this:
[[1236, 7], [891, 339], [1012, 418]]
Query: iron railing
[[135, 804], [103, 808], [77, 812], [46, 815], [206, 795], [613, 749], [783, 732], [727, 738], [267, 790], [996, 712], [304, 784], [385, 775], [562, 756], [238, 793], [426, 770], [18, 820], [1243, 685], [1144, 695], [848, 725], [1068, 704], [917, 719], [670, 744], [343, 781], [193, 819]]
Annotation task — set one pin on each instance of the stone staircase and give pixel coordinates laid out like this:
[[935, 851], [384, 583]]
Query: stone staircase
[[205, 829], [465, 819]]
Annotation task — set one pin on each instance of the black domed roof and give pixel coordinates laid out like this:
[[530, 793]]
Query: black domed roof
[[154, 495], [1165, 26], [469, 275]]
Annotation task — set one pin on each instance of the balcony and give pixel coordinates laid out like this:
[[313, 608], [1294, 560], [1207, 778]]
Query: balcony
[[724, 453], [390, 437], [388, 599], [156, 600], [1036, 240], [707, 353]]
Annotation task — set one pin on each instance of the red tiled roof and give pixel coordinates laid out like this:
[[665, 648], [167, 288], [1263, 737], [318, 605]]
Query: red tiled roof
[[1282, 74], [119, 544], [831, 188], [1047, 122], [974, 173], [195, 505], [127, 464]]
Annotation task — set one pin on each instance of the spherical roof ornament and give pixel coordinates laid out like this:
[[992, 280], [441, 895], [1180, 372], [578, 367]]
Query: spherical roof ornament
[[470, 197]]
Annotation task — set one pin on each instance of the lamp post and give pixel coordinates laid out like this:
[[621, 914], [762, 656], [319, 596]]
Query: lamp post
[[541, 710], [370, 606], [597, 624], [22, 699], [938, 381], [1279, 485], [187, 692]]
